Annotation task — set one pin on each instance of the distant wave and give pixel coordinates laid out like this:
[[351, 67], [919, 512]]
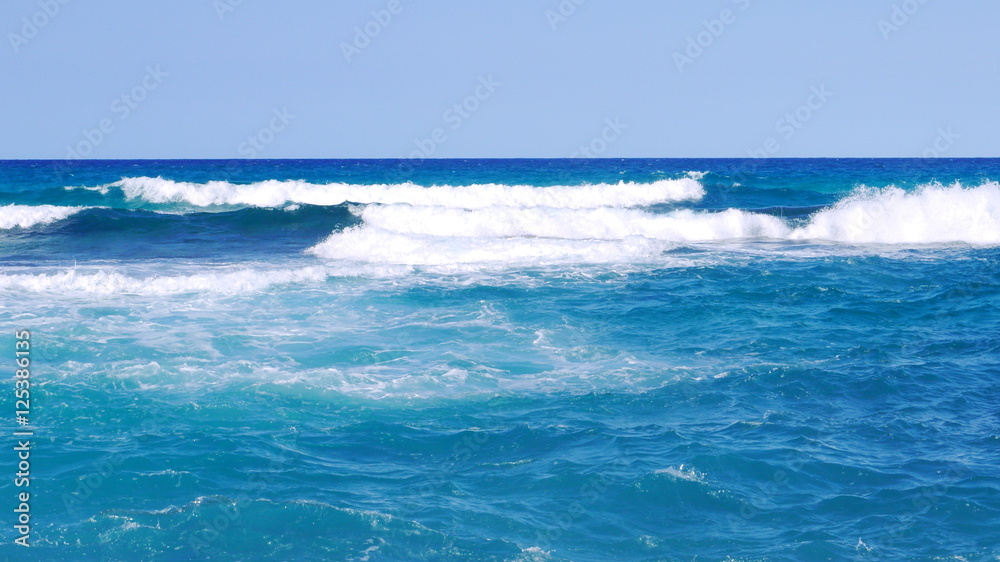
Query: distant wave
[[25, 216], [275, 193], [511, 226], [397, 234]]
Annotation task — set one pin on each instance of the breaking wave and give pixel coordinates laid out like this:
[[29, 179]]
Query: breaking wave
[[275, 193], [415, 235], [25, 216]]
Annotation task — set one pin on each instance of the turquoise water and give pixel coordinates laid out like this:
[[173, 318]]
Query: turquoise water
[[506, 360]]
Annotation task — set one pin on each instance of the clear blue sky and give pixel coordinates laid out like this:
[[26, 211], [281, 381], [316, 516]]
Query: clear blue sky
[[557, 83]]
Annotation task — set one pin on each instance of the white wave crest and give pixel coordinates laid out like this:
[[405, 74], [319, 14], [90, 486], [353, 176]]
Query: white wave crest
[[362, 244], [25, 216], [274, 193], [584, 224], [518, 236], [934, 214], [234, 282]]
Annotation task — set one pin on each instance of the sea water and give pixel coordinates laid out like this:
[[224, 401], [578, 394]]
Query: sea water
[[505, 359]]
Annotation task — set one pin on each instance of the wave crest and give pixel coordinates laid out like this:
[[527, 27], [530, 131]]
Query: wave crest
[[934, 214], [25, 216], [403, 234], [107, 283], [275, 193]]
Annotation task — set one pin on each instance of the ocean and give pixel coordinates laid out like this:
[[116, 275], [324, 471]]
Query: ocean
[[509, 360]]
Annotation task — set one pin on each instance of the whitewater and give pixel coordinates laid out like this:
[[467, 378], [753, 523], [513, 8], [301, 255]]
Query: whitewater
[[511, 360]]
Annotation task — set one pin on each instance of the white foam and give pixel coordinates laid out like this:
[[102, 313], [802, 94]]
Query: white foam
[[410, 378], [527, 236], [274, 193], [568, 224], [933, 214], [690, 474], [112, 282], [364, 244], [25, 216], [102, 189]]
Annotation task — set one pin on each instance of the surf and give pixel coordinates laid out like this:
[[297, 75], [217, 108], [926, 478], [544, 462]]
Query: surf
[[275, 193], [414, 235], [26, 216]]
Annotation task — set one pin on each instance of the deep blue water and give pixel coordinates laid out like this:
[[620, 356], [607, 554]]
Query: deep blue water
[[506, 359]]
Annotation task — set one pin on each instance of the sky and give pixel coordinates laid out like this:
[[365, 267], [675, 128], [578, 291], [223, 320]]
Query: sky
[[498, 78]]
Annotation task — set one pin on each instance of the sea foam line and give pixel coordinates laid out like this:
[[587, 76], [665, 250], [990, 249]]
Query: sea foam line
[[570, 224], [373, 245], [402, 234], [933, 214], [275, 193], [233, 282]]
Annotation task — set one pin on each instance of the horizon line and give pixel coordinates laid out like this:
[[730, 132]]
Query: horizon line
[[927, 158]]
